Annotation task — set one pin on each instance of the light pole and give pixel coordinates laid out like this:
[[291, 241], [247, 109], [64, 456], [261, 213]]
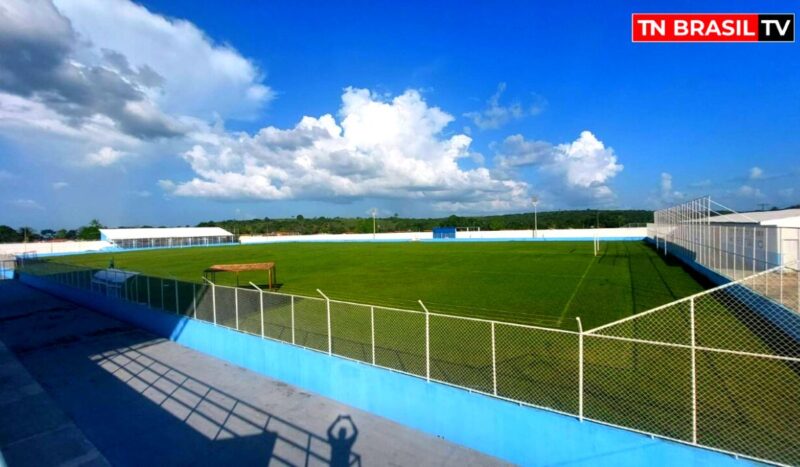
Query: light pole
[[535, 201], [374, 222]]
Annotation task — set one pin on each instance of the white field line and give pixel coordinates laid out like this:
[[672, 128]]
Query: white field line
[[575, 292]]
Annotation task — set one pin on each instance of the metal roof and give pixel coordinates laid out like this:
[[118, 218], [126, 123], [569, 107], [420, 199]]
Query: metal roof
[[113, 276], [784, 217], [169, 232]]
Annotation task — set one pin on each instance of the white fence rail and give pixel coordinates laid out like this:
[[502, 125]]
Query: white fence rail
[[731, 244], [720, 369]]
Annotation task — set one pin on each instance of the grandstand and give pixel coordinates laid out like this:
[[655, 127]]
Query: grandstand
[[167, 237]]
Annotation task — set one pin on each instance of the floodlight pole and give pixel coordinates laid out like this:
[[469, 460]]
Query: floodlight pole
[[374, 223], [535, 201]]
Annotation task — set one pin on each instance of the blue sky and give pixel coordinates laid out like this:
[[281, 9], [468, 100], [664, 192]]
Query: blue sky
[[170, 113]]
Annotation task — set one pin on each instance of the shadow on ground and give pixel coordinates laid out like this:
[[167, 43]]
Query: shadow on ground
[[138, 409]]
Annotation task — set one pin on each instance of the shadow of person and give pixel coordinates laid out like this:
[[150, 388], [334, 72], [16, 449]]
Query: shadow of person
[[341, 444]]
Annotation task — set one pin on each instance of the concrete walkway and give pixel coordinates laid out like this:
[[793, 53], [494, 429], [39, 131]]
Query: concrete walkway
[[136, 399]]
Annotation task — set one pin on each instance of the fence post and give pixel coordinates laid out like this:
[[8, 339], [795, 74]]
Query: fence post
[[494, 362], [372, 326], [194, 301], [580, 369], [427, 341], [163, 306], [694, 371], [260, 306], [292, 319], [213, 300], [147, 278], [328, 312], [780, 260], [236, 305], [177, 299]]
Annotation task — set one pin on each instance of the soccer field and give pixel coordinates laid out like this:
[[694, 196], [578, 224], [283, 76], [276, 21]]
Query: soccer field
[[637, 374], [542, 283]]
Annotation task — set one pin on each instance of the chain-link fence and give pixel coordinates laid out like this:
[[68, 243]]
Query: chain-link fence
[[719, 369], [734, 245], [7, 268]]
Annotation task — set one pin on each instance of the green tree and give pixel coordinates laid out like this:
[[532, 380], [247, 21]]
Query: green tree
[[27, 234], [91, 231], [8, 235]]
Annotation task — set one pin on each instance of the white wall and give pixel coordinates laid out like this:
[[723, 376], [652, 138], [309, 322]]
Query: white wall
[[52, 247], [557, 233], [638, 232]]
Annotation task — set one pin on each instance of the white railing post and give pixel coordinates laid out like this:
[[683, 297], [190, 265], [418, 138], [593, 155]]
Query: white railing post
[[213, 300], [427, 341], [194, 301], [494, 362], [292, 319], [372, 326], [580, 369], [780, 260], [328, 311], [260, 306], [694, 370], [236, 305], [177, 299]]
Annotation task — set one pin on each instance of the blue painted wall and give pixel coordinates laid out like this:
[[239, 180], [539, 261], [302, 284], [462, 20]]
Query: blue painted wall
[[521, 435]]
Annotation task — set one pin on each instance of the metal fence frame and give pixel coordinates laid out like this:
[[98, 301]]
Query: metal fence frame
[[494, 354], [734, 250], [7, 268]]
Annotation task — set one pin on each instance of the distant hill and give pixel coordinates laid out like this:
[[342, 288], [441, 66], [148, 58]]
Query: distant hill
[[335, 225]]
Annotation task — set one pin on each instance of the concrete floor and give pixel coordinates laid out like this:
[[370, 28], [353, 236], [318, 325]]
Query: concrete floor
[[79, 388]]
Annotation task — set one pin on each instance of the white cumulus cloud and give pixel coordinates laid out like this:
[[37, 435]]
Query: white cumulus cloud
[[747, 191], [379, 148], [25, 204], [581, 170], [199, 76], [104, 157], [111, 72], [496, 114]]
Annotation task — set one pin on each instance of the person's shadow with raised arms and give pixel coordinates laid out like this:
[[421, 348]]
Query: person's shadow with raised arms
[[341, 443]]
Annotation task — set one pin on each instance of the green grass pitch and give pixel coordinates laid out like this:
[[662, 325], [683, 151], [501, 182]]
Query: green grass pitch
[[635, 384], [541, 283]]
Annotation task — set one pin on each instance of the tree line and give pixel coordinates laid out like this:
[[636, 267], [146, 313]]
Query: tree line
[[28, 234], [339, 225], [575, 219]]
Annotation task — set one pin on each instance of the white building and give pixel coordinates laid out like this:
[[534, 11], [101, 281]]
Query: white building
[[771, 235], [167, 237]]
